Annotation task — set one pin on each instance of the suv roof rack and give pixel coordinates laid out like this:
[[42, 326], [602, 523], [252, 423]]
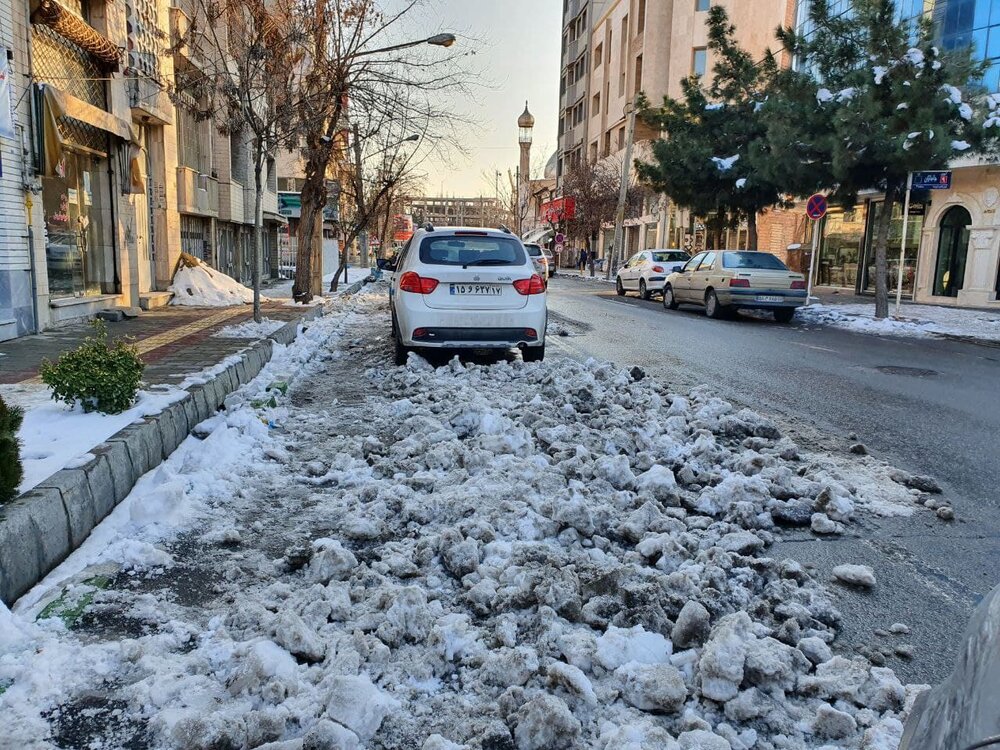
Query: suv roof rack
[[429, 227], [503, 228]]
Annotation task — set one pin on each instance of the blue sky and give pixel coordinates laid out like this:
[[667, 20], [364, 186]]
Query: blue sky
[[517, 48]]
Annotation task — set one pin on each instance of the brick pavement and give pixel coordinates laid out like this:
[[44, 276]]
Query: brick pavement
[[173, 341]]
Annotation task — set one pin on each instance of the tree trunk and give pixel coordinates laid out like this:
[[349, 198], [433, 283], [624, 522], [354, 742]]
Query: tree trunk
[[258, 233], [881, 241], [752, 230], [313, 198]]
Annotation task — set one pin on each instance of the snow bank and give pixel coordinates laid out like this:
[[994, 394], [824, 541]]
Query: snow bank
[[202, 286], [472, 560], [250, 329], [916, 321]]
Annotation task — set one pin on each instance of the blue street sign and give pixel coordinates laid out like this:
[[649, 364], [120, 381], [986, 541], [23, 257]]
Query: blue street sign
[[816, 207], [932, 180]]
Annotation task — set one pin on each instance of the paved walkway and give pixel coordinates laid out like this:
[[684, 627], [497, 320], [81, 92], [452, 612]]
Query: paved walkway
[[173, 341]]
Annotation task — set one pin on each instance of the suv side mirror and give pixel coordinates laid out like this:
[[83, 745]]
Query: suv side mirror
[[386, 264]]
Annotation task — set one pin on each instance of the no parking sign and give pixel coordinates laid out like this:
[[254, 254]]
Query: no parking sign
[[816, 207]]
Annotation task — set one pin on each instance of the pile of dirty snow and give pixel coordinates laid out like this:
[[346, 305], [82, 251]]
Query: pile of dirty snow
[[202, 286], [919, 321], [530, 556]]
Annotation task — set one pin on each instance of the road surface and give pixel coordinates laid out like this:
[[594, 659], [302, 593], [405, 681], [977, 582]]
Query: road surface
[[928, 406]]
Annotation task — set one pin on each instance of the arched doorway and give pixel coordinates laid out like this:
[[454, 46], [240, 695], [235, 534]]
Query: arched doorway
[[953, 247]]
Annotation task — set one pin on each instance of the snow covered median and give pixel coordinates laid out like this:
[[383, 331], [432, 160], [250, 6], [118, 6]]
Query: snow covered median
[[538, 557]]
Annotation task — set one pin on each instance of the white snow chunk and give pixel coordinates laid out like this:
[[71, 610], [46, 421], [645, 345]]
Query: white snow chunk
[[437, 742], [545, 723], [741, 542], [453, 636], [297, 638], [692, 626], [886, 735], [725, 164], [855, 575], [724, 657], [265, 660], [657, 481], [824, 95], [616, 470], [330, 561], [636, 736], [902, 106], [702, 739], [880, 72], [329, 735], [845, 95], [741, 183], [652, 687], [961, 145], [408, 619], [953, 94], [573, 679], [821, 523], [359, 705], [620, 646], [815, 649], [837, 725], [965, 111]]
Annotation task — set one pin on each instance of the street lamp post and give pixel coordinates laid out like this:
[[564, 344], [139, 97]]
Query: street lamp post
[[616, 251], [525, 125]]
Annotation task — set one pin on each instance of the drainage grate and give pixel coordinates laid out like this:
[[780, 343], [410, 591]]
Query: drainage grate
[[912, 372]]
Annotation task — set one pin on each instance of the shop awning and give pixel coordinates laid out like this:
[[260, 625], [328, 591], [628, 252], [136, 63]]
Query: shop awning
[[70, 26], [60, 104]]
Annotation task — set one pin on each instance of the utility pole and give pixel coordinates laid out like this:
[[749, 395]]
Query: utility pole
[[616, 253]]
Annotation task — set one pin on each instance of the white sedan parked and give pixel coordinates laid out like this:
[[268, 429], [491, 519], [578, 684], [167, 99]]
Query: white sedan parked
[[467, 289], [646, 271]]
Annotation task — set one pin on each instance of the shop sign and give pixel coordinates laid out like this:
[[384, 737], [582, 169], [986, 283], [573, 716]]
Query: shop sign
[[560, 209], [917, 209], [932, 180]]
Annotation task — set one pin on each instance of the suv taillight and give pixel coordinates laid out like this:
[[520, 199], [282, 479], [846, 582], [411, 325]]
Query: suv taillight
[[534, 285], [413, 282]]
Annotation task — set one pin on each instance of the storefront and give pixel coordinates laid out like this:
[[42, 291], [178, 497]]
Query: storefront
[[846, 258]]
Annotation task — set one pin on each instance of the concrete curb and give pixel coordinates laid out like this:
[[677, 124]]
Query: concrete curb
[[41, 527]]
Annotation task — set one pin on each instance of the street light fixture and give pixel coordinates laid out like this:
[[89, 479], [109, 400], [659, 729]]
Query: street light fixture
[[438, 40]]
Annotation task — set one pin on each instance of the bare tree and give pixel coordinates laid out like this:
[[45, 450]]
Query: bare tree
[[358, 69], [246, 81]]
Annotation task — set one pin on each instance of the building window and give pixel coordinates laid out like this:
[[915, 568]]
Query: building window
[[607, 143], [700, 5], [637, 86], [640, 22], [598, 56], [623, 57], [596, 109], [699, 61], [621, 137]]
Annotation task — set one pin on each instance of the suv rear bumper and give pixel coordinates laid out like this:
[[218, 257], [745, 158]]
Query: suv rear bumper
[[477, 338]]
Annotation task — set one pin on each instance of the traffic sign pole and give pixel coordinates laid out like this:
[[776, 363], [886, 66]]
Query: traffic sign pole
[[816, 210], [902, 245]]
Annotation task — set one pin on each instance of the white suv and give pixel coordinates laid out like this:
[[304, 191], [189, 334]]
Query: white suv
[[467, 288]]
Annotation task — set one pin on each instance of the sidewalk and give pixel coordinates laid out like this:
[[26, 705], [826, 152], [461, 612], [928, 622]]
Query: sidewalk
[[857, 313]]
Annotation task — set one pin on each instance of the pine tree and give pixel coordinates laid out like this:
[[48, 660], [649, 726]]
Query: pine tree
[[871, 100], [711, 158]]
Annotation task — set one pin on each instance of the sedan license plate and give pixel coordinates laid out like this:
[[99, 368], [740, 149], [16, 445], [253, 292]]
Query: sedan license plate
[[482, 290], [767, 298]]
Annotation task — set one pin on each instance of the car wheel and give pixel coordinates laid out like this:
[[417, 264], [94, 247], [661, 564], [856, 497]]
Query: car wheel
[[643, 291], [712, 307], [619, 288], [784, 314], [669, 302], [533, 353]]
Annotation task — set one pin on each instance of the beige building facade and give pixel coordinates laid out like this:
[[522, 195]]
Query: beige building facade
[[106, 178]]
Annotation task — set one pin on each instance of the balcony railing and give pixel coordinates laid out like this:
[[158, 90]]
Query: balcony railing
[[197, 193]]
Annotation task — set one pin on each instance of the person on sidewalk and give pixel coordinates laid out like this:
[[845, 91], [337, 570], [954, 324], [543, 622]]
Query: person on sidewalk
[[583, 260]]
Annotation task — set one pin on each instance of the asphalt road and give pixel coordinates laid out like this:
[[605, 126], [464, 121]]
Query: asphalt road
[[925, 405]]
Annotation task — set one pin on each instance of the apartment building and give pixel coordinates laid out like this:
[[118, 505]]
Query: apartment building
[[648, 46], [105, 180]]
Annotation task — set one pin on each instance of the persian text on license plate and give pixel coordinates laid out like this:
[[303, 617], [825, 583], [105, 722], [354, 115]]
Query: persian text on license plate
[[487, 290], [768, 298]]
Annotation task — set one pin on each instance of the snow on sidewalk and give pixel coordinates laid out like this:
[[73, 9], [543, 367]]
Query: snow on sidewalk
[[915, 321], [250, 329], [547, 557], [54, 436], [203, 286]]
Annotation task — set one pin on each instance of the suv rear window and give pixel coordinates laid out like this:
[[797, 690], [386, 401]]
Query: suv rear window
[[753, 260], [471, 250]]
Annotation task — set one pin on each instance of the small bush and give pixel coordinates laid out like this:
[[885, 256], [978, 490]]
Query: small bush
[[11, 470], [98, 376]]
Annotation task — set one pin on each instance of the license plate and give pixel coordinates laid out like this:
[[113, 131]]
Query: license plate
[[768, 298], [482, 290]]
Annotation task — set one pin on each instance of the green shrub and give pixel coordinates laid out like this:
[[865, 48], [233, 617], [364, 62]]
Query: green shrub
[[99, 376], [11, 471]]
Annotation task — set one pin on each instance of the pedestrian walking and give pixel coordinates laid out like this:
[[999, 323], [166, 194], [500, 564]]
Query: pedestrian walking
[[583, 260]]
